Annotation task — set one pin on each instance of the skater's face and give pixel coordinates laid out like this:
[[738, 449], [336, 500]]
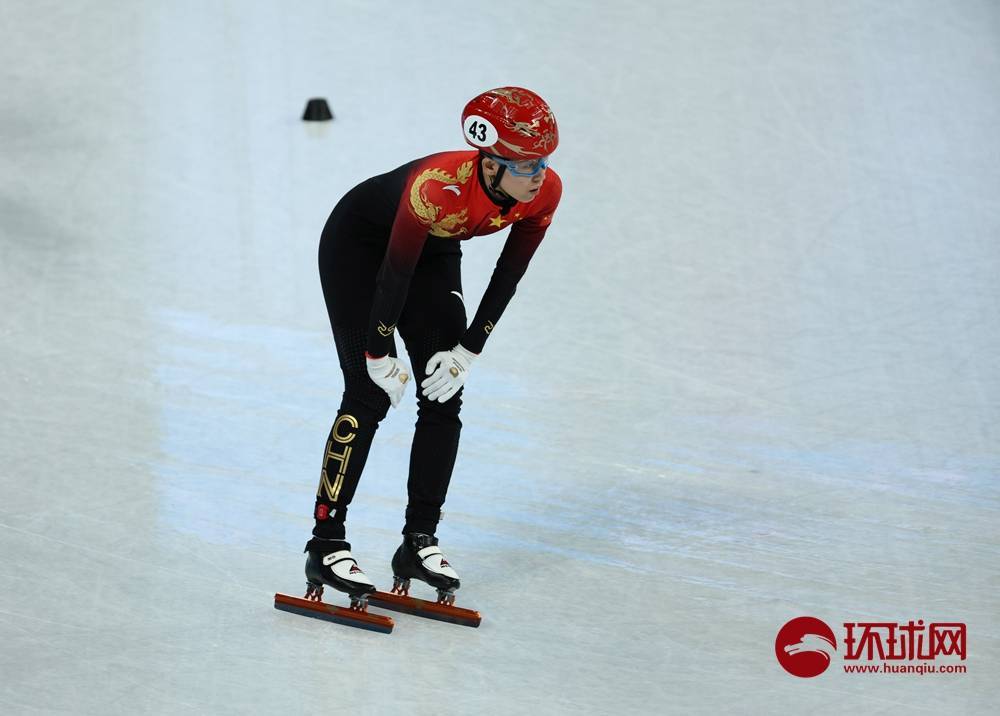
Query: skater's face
[[522, 188]]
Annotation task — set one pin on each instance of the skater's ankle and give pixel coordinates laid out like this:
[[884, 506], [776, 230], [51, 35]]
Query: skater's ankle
[[326, 544], [419, 539]]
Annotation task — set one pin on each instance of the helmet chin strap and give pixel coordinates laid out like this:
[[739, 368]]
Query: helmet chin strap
[[494, 183]]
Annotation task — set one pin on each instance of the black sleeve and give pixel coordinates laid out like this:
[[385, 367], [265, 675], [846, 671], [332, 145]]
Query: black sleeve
[[405, 244], [521, 244]]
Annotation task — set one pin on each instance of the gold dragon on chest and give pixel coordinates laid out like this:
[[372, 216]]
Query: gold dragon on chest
[[427, 211]]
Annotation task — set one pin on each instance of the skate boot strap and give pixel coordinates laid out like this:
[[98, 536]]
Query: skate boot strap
[[428, 551], [433, 560], [344, 565]]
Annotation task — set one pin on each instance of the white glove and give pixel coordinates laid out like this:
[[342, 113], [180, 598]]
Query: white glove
[[390, 374], [446, 373]]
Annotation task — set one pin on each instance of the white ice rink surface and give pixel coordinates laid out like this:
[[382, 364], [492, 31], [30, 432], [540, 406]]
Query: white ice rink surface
[[752, 373]]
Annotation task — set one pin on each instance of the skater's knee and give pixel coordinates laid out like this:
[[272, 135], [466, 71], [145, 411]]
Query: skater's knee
[[446, 412], [367, 401]]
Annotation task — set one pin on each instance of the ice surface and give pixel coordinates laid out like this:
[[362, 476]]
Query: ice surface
[[750, 375]]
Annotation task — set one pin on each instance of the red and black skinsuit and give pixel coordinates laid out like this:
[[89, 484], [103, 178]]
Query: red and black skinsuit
[[390, 257]]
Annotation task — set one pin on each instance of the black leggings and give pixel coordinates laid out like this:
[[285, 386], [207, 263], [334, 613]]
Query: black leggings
[[433, 319]]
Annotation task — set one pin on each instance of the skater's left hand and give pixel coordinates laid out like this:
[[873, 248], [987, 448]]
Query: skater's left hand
[[446, 373]]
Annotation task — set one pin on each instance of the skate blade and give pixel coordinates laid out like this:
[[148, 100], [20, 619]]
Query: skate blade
[[331, 613], [424, 608]]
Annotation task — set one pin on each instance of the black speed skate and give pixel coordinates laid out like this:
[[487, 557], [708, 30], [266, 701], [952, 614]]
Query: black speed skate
[[330, 563], [420, 558]]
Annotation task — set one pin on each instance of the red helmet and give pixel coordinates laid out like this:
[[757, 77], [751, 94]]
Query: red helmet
[[510, 122]]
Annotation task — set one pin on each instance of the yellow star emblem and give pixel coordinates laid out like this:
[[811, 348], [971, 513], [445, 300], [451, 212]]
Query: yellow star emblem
[[497, 221]]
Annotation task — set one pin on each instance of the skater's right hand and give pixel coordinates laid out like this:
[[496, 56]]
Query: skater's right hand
[[390, 374]]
